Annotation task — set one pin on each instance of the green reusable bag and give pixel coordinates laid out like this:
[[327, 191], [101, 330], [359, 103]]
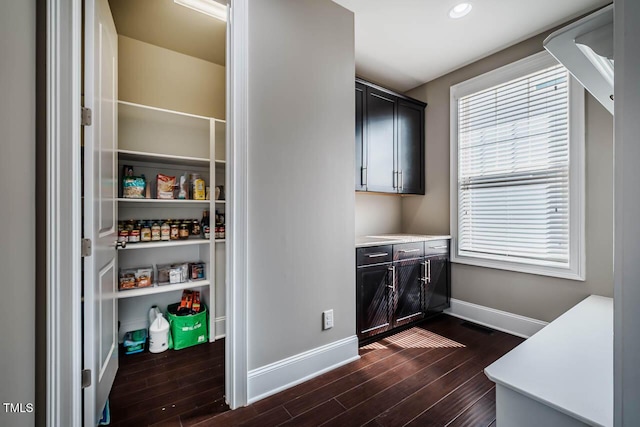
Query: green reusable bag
[[190, 330]]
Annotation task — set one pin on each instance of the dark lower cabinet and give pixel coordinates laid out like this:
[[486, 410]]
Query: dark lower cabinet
[[400, 284], [408, 291], [437, 294], [374, 299]]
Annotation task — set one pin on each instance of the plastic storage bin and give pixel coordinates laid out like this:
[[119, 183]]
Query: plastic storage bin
[[173, 273], [134, 341], [133, 278]]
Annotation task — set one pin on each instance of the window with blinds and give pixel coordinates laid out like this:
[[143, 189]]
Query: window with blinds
[[514, 170]]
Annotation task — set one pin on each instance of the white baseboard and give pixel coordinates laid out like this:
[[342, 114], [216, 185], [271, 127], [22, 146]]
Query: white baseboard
[[286, 373], [219, 327], [504, 321]]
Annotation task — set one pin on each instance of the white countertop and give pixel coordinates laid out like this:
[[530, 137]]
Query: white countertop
[[568, 365], [390, 239]]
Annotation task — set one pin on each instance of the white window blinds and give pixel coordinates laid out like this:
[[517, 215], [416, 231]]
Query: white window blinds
[[513, 170]]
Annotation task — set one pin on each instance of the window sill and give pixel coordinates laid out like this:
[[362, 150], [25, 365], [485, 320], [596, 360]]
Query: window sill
[[539, 270]]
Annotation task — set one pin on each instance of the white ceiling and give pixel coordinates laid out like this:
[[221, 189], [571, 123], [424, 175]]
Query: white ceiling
[[405, 43]]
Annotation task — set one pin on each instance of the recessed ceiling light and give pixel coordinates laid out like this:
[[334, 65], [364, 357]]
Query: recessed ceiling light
[[208, 7], [460, 10]]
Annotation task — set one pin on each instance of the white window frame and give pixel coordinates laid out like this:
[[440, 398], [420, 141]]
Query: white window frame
[[577, 258]]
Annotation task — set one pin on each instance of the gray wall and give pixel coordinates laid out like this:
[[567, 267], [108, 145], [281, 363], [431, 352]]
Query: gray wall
[[300, 178], [534, 296], [17, 212], [626, 353], [378, 214]]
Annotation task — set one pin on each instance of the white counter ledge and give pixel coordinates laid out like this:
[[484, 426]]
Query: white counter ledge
[[391, 239], [562, 375]]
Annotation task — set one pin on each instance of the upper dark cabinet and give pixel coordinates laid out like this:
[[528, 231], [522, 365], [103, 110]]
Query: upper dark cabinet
[[380, 140], [411, 156], [360, 146], [390, 153]]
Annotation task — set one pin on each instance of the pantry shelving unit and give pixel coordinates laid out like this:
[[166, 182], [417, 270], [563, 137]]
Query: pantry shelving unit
[[159, 289], [161, 244], [163, 158], [155, 140], [160, 202]]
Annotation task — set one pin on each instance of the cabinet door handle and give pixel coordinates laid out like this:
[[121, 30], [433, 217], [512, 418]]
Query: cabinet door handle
[[378, 255], [401, 180], [392, 269], [407, 251], [438, 247], [427, 267], [363, 176]]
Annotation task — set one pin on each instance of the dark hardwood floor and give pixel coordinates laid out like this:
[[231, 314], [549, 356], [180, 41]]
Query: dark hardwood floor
[[429, 375]]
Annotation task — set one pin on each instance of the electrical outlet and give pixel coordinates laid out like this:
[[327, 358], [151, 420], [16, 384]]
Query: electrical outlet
[[327, 319]]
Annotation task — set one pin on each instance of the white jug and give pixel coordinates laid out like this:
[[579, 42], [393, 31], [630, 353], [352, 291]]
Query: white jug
[[159, 335], [153, 314]]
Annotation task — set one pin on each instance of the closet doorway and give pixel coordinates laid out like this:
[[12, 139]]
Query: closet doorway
[[155, 175]]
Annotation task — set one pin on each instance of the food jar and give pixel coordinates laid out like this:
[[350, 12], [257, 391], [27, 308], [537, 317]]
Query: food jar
[[195, 228], [165, 231], [134, 236], [183, 232], [155, 231], [175, 232], [145, 232]]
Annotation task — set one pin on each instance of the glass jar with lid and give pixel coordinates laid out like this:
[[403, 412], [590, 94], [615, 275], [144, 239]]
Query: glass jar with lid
[[175, 232], [165, 231], [195, 228], [183, 231], [145, 232]]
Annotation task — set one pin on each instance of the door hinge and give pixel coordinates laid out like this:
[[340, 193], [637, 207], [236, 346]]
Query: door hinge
[[86, 247], [86, 378], [86, 116]]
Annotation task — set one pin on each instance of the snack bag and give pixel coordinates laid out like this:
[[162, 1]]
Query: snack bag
[[165, 186]]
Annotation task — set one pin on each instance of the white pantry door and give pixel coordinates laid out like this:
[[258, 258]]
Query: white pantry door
[[100, 210]]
